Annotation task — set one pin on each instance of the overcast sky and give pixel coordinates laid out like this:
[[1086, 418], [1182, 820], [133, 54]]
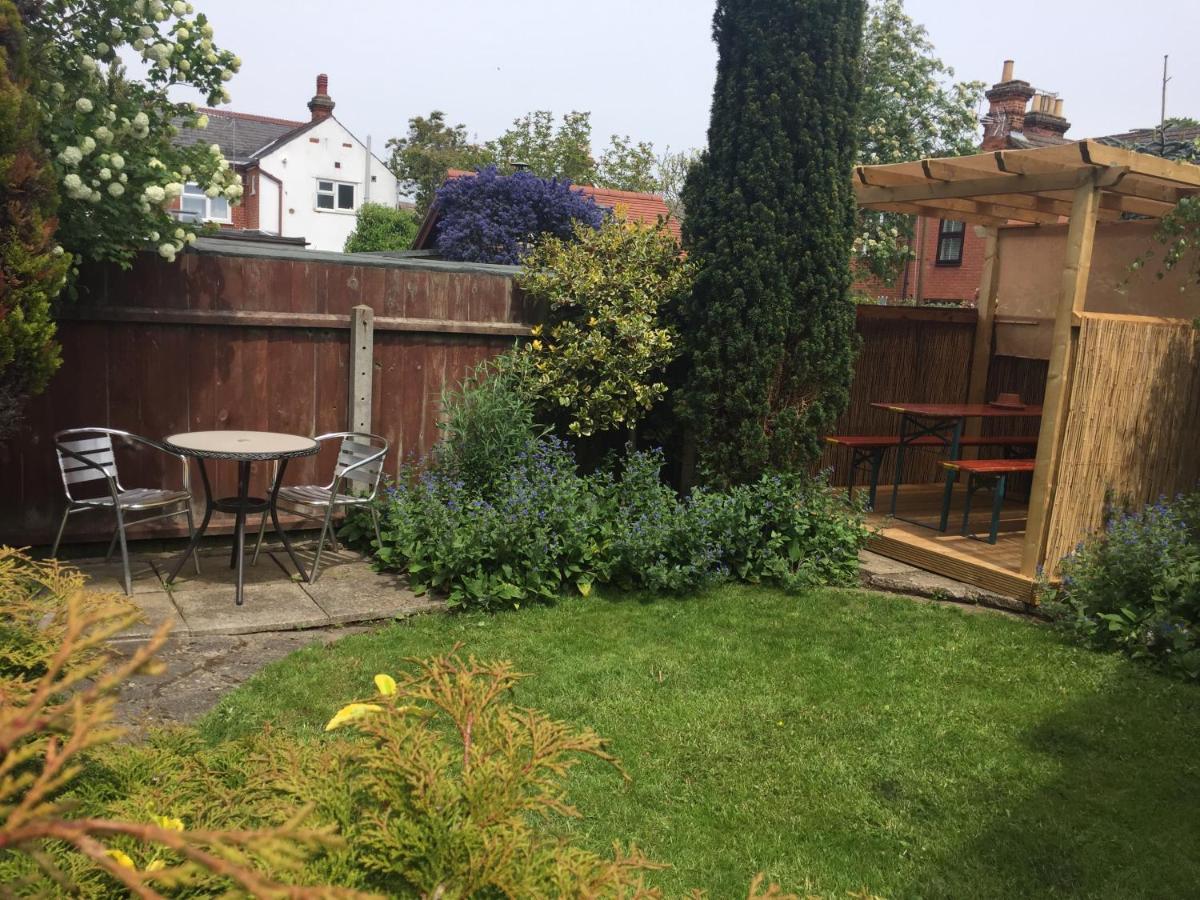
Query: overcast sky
[[646, 67]]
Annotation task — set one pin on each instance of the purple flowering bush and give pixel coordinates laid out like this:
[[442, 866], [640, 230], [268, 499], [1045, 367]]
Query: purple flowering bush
[[494, 218], [541, 528], [1135, 587]]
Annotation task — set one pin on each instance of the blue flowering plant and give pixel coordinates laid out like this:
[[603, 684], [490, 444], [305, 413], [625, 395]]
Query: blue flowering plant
[[494, 218], [1135, 587]]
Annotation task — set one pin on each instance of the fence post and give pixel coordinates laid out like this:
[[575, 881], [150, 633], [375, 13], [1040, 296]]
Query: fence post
[[362, 347]]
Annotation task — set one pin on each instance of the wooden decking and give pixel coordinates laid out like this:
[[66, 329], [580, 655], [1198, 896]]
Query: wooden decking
[[994, 567]]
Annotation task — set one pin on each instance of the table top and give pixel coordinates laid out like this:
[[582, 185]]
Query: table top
[[243, 445], [959, 410]]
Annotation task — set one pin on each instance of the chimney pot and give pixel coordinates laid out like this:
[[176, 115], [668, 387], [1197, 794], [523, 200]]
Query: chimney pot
[[1008, 71], [323, 84], [1058, 107]]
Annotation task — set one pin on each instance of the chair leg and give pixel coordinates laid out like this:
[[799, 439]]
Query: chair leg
[[262, 528], [375, 521], [124, 551], [191, 534], [62, 526], [112, 545], [312, 578]]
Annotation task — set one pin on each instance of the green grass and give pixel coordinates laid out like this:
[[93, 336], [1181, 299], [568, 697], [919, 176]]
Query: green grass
[[837, 740]]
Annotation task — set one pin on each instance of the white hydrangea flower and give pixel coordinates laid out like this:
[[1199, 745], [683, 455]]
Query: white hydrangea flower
[[58, 89], [179, 8], [123, 178], [88, 64], [185, 171], [225, 95], [167, 252], [72, 182], [141, 120], [202, 121], [180, 233], [226, 74], [212, 190], [58, 250], [207, 30], [236, 63], [182, 34], [117, 161], [94, 197], [105, 174], [138, 44], [116, 34], [70, 156], [173, 190], [184, 65], [103, 135], [154, 235], [154, 194], [116, 189], [191, 237], [84, 105], [210, 57], [88, 144], [214, 149], [146, 31]]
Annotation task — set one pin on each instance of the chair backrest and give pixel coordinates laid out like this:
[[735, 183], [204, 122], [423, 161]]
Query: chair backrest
[[96, 447], [356, 448]]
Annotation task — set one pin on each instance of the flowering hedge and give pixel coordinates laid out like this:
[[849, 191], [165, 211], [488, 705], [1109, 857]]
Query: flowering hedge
[[494, 218], [109, 135], [1135, 587]]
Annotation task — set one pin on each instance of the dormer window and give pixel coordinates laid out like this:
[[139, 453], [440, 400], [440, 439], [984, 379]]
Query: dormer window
[[337, 196], [196, 206]]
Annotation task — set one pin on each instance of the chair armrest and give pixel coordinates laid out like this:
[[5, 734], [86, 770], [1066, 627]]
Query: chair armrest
[[363, 462], [162, 448]]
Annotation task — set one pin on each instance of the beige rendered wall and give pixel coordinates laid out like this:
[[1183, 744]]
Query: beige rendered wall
[[1031, 260]]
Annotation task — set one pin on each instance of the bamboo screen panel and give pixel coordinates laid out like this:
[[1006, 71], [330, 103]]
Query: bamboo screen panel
[[1132, 430]]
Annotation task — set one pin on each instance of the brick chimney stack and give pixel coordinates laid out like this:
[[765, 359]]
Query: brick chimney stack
[[321, 105], [1045, 118], [1006, 108]]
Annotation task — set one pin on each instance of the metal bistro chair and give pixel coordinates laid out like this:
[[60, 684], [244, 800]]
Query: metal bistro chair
[[360, 460], [86, 454]]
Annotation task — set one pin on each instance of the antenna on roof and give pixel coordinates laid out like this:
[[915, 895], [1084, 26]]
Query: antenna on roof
[[1162, 119]]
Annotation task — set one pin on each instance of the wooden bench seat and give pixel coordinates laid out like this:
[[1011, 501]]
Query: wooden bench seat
[[869, 449], [980, 471]]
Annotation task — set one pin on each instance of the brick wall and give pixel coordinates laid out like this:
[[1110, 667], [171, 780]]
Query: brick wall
[[936, 283]]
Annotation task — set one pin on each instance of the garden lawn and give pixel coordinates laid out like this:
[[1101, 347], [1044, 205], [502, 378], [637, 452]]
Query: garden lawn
[[838, 740]]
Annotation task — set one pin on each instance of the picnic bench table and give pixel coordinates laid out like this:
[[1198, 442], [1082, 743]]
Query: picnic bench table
[[944, 422]]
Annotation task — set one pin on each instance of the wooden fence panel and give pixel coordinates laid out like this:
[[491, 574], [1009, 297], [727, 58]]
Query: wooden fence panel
[[243, 337]]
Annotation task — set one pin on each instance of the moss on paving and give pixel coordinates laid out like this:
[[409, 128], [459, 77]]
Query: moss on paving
[[837, 740]]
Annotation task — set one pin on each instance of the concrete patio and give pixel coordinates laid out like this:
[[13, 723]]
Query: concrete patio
[[348, 592]]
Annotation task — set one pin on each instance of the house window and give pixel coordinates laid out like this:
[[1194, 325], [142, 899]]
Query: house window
[[335, 195], [196, 206], [950, 243]]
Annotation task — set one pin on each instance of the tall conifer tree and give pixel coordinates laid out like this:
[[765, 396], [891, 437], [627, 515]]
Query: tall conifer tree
[[768, 331]]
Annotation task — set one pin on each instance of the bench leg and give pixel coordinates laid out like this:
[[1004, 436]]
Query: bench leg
[[876, 466], [972, 486], [997, 505]]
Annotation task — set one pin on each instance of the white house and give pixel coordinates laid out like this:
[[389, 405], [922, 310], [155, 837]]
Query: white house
[[300, 179]]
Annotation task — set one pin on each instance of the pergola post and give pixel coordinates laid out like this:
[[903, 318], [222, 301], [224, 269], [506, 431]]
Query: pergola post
[[985, 326], [1077, 266]]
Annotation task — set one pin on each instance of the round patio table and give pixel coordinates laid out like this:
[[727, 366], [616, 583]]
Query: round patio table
[[246, 448]]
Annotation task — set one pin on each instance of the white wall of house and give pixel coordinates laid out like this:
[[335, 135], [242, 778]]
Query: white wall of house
[[326, 155], [268, 204]]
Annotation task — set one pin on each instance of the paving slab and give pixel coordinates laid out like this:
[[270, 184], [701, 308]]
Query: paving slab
[[110, 576], [883, 574], [200, 670], [354, 592], [156, 607], [274, 606], [215, 571]]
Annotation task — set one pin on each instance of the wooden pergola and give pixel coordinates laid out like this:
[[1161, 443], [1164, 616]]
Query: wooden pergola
[[1080, 184]]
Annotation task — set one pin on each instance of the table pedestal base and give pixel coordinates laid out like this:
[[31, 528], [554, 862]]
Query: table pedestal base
[[241, 506]]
